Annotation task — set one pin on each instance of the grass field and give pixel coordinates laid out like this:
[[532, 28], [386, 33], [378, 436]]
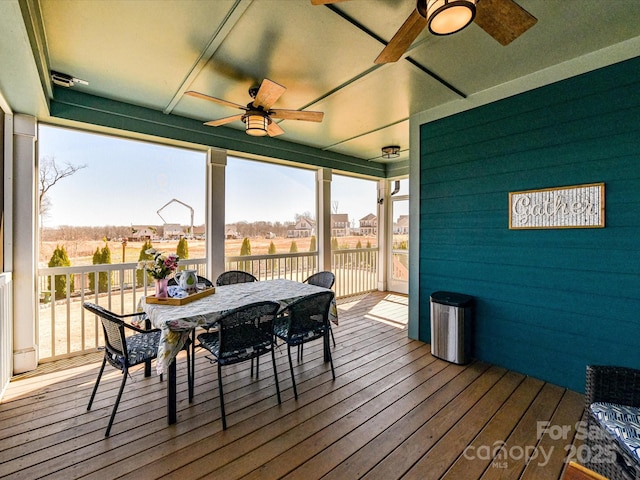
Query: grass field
[[81, 251]]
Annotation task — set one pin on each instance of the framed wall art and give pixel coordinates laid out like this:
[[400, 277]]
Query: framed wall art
[[579, 206]]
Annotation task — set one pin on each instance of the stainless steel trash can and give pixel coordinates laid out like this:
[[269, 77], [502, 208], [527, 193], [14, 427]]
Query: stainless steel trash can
[[451, 326]]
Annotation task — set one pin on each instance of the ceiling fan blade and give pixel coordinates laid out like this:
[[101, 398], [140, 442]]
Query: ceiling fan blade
[[268, 94], [504, 20], [225, 120], [274, 129], [403, 38], [297, 115], [191, 93], [325, 2]]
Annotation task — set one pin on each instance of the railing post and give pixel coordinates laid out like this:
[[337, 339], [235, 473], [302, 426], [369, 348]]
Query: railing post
[[6, 330]]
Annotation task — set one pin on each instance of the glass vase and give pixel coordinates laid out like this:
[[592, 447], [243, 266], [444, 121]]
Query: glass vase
[[161, 287]]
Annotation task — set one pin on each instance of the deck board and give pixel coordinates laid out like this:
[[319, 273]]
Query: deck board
[[444, 453], [393, 411]]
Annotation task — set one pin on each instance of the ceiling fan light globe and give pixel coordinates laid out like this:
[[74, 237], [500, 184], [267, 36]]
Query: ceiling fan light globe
[[256, 125], [445, 17]]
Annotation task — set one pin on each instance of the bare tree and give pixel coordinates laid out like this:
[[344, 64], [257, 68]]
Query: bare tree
[[306, 214], [334, 205], [50, 174]]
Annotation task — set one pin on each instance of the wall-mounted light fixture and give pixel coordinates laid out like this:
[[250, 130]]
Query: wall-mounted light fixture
[[391, 151], [396, 189], [445, 17]]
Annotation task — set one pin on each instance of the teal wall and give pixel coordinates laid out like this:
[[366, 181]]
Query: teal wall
[[549, 302]]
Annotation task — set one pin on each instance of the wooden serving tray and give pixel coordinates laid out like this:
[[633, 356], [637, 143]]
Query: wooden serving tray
[[181, 301]]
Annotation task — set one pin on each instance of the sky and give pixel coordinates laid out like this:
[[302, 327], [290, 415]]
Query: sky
[[125, 182]]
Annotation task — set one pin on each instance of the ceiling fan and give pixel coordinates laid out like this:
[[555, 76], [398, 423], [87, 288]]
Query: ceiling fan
[[258, 113], [504, 20]]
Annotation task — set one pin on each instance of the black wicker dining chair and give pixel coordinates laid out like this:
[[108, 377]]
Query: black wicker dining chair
[[303, 321], [207, 283], [244, 333], [124, 351], [323, 279], [235, 276]]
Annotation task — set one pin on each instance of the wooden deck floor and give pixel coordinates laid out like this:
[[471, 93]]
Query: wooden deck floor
[[394, 411]]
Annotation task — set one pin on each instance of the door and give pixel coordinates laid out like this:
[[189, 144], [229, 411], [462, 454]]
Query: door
[[398, 255]]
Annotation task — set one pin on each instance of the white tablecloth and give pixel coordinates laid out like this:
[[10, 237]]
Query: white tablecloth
[[176, 322]]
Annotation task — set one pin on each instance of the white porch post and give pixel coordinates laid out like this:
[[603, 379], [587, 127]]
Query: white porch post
[[25, 241], [383, 233], [216, 168], [323, 216]]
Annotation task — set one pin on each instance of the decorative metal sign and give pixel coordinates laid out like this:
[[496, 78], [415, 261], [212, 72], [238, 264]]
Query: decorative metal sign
[[580, 206]]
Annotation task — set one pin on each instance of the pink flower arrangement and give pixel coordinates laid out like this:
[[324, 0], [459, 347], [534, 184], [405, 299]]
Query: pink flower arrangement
[[161, 266]]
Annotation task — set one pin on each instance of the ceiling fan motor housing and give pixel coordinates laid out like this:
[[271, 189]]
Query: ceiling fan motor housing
[[253, 91]]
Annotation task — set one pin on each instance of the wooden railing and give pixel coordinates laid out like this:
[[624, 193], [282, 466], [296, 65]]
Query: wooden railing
[[356, 270], [64, 328], [292, 266], [6, 330]]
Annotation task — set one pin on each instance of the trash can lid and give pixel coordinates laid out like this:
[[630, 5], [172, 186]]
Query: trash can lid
[[452, 299]]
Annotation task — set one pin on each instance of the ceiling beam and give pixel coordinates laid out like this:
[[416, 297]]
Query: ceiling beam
[[93, 110], [32, 16], [439, 79], [227, 24], [422, 68], [21, 82]]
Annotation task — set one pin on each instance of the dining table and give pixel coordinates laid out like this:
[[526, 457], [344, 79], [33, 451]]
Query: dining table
[[177, 322]]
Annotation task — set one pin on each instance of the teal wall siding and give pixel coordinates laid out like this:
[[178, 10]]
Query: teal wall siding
[[548, 302]]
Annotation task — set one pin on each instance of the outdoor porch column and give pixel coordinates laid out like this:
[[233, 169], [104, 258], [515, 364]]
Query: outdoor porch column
[[25, 241], [323, 215], [216, 170], [383, 233]]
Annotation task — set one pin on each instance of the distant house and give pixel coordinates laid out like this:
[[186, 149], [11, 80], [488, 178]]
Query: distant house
[[231, 233], [140, 233], [368, 225], [402, 225], [340, 225], [172, 231], [199, 231], [304, 227]]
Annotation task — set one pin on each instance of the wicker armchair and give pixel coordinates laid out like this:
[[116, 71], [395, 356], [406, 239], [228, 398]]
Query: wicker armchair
[[574, 471], [608, 454], [235, 276]]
